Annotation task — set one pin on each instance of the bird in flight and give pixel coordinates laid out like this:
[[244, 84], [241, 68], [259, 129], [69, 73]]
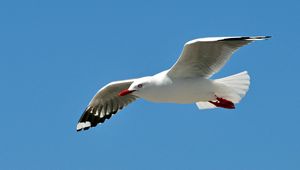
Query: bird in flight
[[187, 81]]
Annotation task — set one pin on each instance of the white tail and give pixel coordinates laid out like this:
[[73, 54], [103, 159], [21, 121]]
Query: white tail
[[232, 88]]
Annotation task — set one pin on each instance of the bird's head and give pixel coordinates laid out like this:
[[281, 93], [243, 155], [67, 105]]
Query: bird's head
[[137, 86]]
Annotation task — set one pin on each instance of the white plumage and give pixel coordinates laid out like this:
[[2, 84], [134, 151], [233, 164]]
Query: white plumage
[[185, 82]]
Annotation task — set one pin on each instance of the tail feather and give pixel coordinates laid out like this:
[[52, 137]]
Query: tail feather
[[232, 88], [205, 105]]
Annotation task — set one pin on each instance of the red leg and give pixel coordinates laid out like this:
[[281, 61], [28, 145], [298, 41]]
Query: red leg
[[223, 103]]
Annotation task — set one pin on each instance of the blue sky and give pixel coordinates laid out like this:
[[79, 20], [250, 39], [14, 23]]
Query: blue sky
[[56, 54]]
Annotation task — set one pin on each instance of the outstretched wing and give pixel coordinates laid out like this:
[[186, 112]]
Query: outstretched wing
[[105, 103], [205, 56]]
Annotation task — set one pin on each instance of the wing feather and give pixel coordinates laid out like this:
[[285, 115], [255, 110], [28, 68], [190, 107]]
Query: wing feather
[[105, 103], [205, 56]]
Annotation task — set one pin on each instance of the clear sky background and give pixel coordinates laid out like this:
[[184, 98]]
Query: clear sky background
[[55, 55]]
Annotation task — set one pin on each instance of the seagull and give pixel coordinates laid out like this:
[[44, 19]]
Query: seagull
[[187, 81]]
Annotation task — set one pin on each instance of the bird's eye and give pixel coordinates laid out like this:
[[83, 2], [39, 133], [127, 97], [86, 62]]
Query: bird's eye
[[140, 85]]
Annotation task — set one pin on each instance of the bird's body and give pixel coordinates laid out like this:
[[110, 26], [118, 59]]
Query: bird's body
[[187, 81], [181, 90]]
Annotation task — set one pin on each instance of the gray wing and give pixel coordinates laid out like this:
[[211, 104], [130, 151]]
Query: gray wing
[[105, 103], [205, 56]]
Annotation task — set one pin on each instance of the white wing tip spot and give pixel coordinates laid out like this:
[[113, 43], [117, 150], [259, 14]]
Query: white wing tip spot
[[83, 125]]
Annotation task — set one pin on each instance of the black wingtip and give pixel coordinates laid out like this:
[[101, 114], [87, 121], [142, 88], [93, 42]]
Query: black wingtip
[[268, 37], [247, 38], [261, 37], [86, 128]]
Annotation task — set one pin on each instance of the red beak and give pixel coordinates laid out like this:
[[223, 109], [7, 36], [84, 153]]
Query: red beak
[[125, 92]]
